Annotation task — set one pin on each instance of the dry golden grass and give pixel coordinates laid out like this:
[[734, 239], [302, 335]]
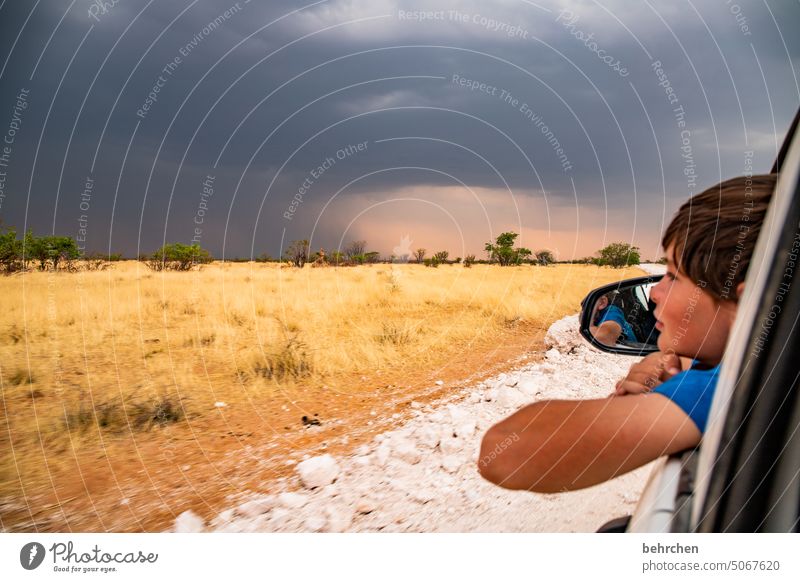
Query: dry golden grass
[[106, 355]]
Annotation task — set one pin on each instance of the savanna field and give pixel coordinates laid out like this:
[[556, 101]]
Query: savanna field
[[130, 395]]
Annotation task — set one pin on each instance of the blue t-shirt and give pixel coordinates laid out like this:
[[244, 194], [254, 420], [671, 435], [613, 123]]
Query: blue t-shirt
[[693, 391], [614, 313]]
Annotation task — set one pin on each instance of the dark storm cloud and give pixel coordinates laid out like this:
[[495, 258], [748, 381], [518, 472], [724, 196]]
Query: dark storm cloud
[[262, 100]]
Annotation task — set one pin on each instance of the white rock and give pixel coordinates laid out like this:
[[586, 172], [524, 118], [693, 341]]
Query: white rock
[[427, 435], [331, 490], [498, 385], [339, 519], [437, 416], [450, 445], [318, 471], [279, 517], [532, 386], [315, 523], [189, 522], [423, 495], [257, 507], [490, 395], [220, 404], [510, 397], [382, 454], [451, 463], [366, 505], [564, 334], [465, 429], [457, 414], [224, 518], [406, 451], [292, 500], [471, 496], [553, 355], [547, 368], [361, 461], [439, 382], [416, 405]]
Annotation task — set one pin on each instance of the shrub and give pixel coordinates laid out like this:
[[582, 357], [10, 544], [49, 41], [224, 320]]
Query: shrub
[[289, 361], [298, 253], [10, 252], [469, 260], [503, 250], [619, 255], [178, 257], [95, 262], [115, 415], [393, 334], [21, 377], [544, 257], [441, 256]]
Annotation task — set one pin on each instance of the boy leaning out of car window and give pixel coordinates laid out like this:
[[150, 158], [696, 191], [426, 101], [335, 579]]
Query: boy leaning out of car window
[[661, 406]]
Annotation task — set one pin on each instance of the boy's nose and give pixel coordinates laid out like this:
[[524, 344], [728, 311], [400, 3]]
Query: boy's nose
[[655, 292]]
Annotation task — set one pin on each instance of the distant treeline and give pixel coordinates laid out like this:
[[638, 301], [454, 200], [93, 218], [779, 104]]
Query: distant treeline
[[56, 253]]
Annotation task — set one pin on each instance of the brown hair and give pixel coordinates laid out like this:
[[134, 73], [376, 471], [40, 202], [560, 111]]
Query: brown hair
[[714, 232]]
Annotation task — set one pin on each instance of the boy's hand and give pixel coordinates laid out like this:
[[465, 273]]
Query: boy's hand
[[651, 371]]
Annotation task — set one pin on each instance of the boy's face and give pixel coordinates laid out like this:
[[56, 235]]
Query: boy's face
[[691, 322]]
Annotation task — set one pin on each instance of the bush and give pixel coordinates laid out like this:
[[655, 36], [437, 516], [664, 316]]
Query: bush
[[503, 250], [95, 262], [51, 250], [469, 260], [619, 255], [441, 256], [298, 253], [544, 257], [178, 257], [21, 377], [115, 415], [393, 334], [10, 252], [289, 361]]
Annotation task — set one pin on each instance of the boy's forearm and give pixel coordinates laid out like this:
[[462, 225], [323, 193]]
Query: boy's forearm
[[560, 445]]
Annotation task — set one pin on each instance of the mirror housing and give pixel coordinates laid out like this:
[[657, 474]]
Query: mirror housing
[[627, 305]]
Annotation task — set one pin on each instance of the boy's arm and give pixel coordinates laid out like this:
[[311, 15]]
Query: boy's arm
[[559, 445], [606, 333]]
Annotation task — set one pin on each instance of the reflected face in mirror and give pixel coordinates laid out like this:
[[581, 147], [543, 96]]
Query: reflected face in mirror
[[616, 317], [621, 316]]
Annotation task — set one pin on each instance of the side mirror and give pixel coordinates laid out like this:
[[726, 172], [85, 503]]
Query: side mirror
[[618, 318]]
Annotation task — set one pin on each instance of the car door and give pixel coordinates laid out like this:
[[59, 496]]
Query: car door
[[749, 479]]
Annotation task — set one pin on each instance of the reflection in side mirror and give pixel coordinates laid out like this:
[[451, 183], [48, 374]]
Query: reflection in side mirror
[[619, 318]]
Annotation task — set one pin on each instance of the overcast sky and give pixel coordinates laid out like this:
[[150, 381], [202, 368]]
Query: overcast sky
[[238, 124]]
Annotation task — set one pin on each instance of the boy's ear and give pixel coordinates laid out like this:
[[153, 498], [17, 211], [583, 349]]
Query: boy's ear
[[739, 291]]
